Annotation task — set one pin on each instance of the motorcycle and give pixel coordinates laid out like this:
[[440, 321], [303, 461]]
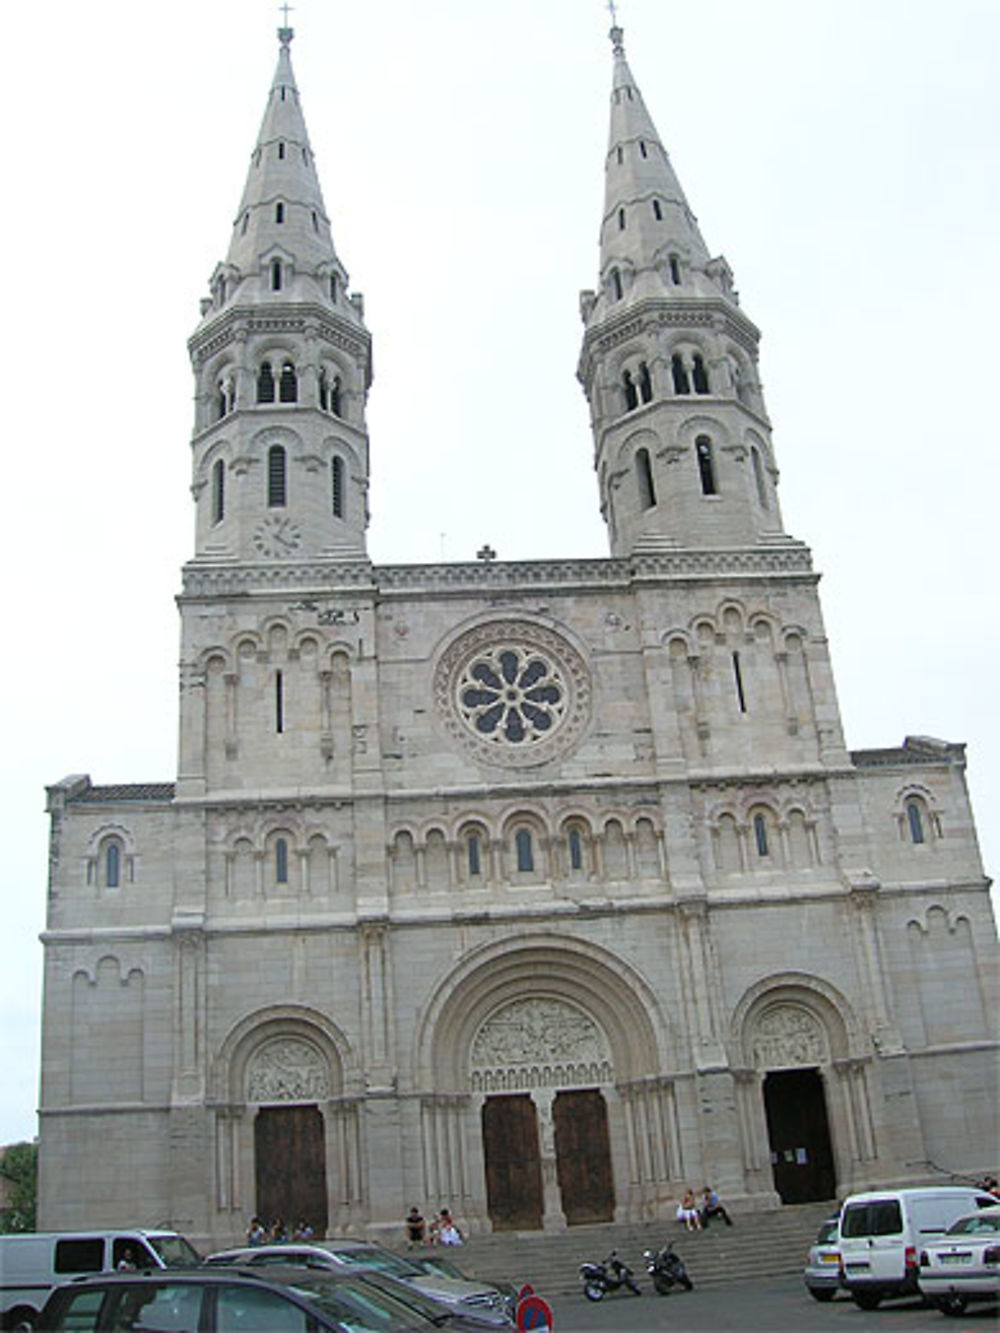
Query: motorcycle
[[611, 1275], [667, 1270]]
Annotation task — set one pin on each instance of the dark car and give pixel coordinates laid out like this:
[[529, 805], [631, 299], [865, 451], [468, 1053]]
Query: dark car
[[233, 1300]]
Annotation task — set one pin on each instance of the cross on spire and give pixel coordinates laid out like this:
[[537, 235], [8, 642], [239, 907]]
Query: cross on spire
[[613, 11], [286, 9]]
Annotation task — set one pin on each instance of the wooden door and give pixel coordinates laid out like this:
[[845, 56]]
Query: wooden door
[[513, 1163], [290, 1162], [583, 1156]]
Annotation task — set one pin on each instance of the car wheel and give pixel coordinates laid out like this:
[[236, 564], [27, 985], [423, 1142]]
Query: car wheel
[[21, 1321], [866, 1300], [953, 1305], [822, 1293]]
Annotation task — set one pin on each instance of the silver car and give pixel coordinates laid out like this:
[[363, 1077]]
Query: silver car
[[461, 1294], [822, 1270], [963, 1265]]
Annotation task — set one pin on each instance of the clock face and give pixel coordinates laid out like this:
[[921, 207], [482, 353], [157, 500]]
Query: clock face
[[276, 536]]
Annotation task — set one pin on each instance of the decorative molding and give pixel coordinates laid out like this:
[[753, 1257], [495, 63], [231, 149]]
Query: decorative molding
[[287, 1070]]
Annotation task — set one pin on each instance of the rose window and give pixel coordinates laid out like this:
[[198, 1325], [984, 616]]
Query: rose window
[[512, 694]]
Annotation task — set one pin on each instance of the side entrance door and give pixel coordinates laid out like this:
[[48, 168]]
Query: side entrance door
[[583, 1156], [290, 1163], [513, 1165]]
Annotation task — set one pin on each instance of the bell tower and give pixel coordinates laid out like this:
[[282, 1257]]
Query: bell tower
[[682, 441], [282, 367]]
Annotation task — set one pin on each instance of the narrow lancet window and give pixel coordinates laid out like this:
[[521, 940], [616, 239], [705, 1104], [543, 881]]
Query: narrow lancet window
[[644, 479], [621, 219], [706, 465], [738, 677], [679, 372], [275, 477], [265, 383], [218, 491], [616, 284], [281, 861], [279, 213], [281, 150], [338, 487], [630, 391], [675, 270], [699, 374], [758, 476], [112, 866], [275, 275], [760, 834], [645, 383], [335, 396], [575, 849], [279, 702], [657, 210], [475, 857]]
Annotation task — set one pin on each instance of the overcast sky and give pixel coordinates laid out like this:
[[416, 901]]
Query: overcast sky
[[842, 154]]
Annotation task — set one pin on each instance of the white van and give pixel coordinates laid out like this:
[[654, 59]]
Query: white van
[[881, 1234], [33, 1263]]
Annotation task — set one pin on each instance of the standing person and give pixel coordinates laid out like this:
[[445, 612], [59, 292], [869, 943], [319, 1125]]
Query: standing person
[[416, 1227], [711, 1206], [687, 1211]]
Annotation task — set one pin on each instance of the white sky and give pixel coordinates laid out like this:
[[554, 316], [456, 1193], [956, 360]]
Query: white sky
[[841, 153]]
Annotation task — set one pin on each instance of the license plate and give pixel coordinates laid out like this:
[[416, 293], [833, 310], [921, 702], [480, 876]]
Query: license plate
[[829, 1258], [955, 1258], [859, 1268]]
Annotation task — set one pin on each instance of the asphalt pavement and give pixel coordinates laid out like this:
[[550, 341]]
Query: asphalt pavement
[[774, 1305]]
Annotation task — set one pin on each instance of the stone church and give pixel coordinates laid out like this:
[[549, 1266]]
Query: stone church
[[540, 890]]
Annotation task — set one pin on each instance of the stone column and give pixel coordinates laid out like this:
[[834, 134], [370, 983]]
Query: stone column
[[553, 1217]]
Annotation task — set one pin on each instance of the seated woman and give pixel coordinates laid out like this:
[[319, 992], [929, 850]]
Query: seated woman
[[687, 1211]]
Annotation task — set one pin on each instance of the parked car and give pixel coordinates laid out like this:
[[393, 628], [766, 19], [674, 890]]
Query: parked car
[[883, 1232], [822, 1270], [964, 1265], [439, 1263], [456, 1293], [33, 1263], [231, 1300]]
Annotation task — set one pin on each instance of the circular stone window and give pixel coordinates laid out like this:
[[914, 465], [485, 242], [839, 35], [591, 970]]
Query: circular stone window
[[516, 693]]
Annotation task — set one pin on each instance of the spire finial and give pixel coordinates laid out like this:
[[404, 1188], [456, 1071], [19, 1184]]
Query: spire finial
[[285, 32], [617, 35]]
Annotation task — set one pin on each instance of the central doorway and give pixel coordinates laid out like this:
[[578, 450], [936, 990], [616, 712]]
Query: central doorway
[[583, 1156], [799, 1135], [514, 1195], [290, 1164]]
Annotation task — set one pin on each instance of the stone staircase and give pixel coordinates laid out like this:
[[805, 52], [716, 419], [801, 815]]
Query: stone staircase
[[770, 1244]]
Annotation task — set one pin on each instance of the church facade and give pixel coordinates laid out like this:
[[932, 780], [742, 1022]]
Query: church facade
[[540, 890]]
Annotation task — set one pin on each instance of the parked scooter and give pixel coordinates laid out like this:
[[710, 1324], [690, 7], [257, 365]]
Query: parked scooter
[[611, 1275], [667, 1269]]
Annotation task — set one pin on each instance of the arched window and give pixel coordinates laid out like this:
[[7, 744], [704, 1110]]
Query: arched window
[[706, 465], [220, 400], [575, 846], [281, 861], [333, 287], [112, 865], [279, 213], [275, 275], [675, 270], [335, 396], [275, 477], [475, 854], [315, 222], [288, 384], [758, 476], [281, 150], [642, 147], [699, 374], [218, 491], [644, 479], [915, 821], [760, 834], [645, 383], [679, 372], [657, 210], [265, 383], [630, 391], [337, 472], [616, 283], [621, 219], [524, 850]]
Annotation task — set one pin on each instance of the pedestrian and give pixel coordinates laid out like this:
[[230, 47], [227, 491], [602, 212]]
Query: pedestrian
[[256, 1232], [687, 1211], [416, 1227], [711, 1206]]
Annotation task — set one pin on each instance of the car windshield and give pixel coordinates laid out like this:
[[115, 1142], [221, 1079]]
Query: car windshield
[[358, 1304], [383, 1261], [408, 1296], [971, 1226], [827, 1232], [434, 1264], [175, 1251]]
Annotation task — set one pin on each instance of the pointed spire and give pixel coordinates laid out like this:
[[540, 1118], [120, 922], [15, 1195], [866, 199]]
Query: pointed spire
[[646, 216], [282, 207]]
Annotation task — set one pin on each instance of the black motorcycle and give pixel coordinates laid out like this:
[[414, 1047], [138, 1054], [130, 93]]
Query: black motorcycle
[[667, 1270], [611, 1275]]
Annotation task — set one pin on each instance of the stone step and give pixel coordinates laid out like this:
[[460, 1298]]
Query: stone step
[[770, 1244]]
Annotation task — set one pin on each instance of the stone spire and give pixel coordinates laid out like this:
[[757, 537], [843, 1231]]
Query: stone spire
[[282, 364], [669, 361]]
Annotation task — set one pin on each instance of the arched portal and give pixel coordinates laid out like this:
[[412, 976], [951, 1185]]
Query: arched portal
[[547, 1057]]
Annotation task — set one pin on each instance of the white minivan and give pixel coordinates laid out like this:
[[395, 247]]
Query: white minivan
[[881, 1234], [31, 1264]]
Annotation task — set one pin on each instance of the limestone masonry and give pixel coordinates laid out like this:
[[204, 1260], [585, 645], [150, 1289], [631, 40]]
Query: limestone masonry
[[539, 890]]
